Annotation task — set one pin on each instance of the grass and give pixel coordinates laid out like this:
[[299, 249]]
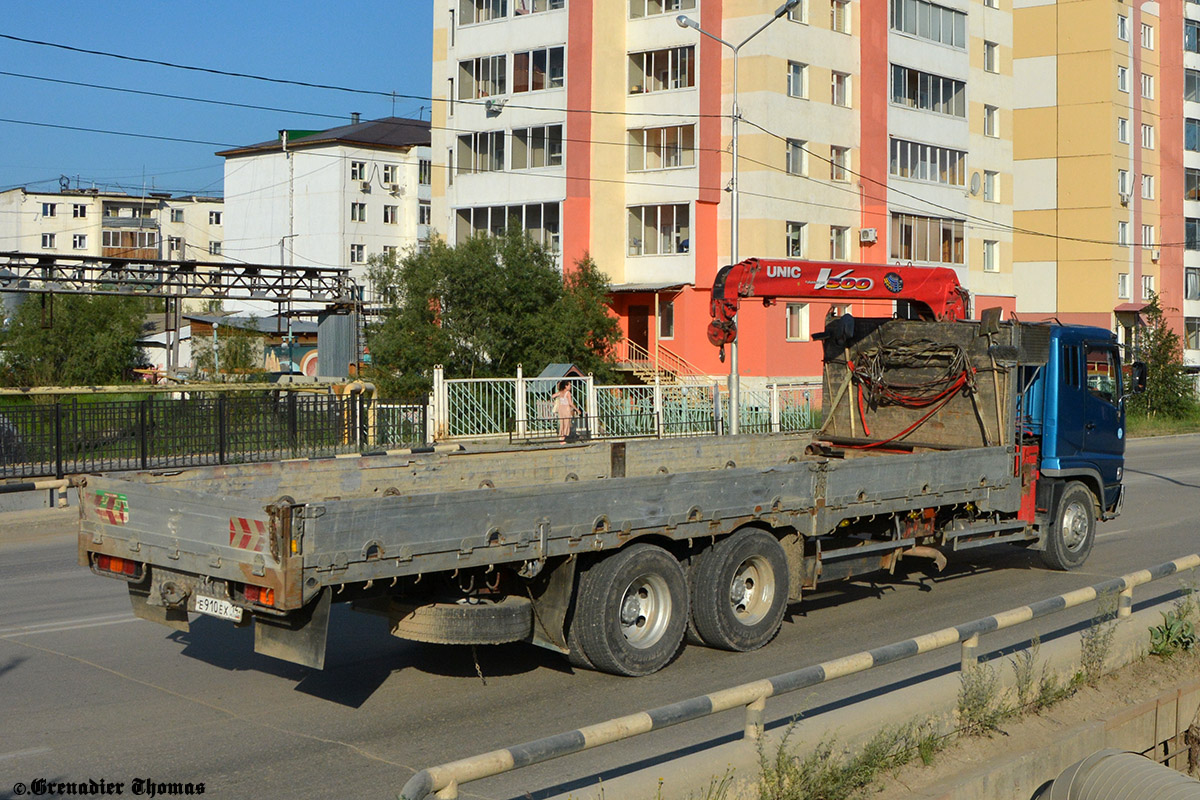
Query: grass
[[1142, 426]]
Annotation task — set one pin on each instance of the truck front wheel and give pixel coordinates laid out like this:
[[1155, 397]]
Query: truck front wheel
[[739, 591], [1070, 539], [631, 610]]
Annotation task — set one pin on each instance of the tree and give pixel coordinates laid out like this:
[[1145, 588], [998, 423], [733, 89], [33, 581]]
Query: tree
[[484, 306], [88, 339], [238, 349], [1169, 390]]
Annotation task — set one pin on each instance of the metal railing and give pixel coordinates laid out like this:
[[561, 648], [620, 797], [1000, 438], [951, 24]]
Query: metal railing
[[662, 361], [447, 778], [74, 436]]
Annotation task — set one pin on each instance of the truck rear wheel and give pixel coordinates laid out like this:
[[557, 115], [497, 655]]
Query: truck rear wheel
[[631, 611], [1070, 539], [739, 591]]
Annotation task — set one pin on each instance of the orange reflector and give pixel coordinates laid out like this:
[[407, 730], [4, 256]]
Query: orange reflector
[[123, 566], [260, 595]]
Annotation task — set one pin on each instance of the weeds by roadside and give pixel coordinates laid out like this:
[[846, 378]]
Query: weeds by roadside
[[1095, 643]]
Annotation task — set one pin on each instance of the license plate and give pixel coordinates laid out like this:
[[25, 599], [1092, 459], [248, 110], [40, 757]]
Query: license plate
[[215, 607]]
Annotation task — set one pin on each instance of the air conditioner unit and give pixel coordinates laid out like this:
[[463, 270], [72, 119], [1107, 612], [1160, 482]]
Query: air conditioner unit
[[868, 236], [394, 188], [1155, 255], [366, 187], [1125, 198]]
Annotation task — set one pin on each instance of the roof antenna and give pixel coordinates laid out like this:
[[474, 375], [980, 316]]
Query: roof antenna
[[355, 118]]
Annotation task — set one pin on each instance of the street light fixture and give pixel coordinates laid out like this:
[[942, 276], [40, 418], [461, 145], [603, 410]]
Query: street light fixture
[[687, 22]]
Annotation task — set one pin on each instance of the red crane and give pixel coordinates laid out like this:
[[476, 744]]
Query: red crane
[[934, 292]]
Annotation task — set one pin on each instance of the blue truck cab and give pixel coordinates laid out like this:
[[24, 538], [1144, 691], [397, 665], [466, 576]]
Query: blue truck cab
[[1074, 407]]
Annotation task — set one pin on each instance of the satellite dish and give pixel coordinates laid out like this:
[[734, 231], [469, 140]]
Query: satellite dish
[[975, 183]]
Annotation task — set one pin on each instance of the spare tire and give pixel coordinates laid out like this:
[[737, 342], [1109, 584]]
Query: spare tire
[[507, 620]]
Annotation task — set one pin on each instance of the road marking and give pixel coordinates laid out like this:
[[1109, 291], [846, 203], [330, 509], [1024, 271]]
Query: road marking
[[67, 625], [1109, 534], [33, 751]]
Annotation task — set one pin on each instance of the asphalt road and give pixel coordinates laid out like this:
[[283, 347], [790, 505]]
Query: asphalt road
[[89, 692]]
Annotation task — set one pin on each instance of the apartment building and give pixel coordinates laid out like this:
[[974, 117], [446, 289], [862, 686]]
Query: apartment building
[[330, 198], [871, 132], [94, 223], [1101, 145]]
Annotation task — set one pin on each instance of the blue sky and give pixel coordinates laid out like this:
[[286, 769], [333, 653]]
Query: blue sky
[[382, 47]]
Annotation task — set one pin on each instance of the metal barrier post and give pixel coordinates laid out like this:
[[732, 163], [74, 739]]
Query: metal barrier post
[[970, 653], [144, 432], [522, 399], [754, 719], [1125, 603], [774, 408], [658, 406]]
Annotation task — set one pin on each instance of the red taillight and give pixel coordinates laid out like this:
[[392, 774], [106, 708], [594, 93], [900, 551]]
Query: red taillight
[[260, 594], [121, 566]]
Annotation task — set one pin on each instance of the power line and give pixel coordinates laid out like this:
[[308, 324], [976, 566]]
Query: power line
[[83, 129]]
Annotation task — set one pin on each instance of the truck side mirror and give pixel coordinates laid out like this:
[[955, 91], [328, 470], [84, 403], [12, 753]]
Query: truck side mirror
[[1137, 377]]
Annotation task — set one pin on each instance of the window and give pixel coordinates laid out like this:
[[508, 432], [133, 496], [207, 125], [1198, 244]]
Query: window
[[174, 244], [1191, 134], [126, 242], [357, 253], [1123, 285], [358, 212], [214, 248], [79, 211], [1148, 137], [485, 76], [1123, 79], [1123, 182], [48, 241], [1123, 27], [1191, 233], [991, 260], [797, 239], [539, 220], [391, 215], [358, 170], [662, 148], [1148, 187], [991, 121], [1147, 237], [797, 157], [931, 239], [930, 21], [390, 252], [1191, 184], [1147, 36], [537, 6], [472, 11], [79, 241], [992, 3], [535, 70], [1123, 130], [540, 146], [1103, 375], [928, 92], [1147, 86], [176, 215], [659, 230], [1147, 287], [450, 167], [1191, 284], [797, 81], [390, 173], [662, 70], [839, 242], [1191, 36], [481, 152], [666, 319], [839, 163], [214, 218], [799, 13], [926, 162], [991, 57], [1191, 333], [839, 16], [1191, 85], [49, 209], [840, 89], [1123, 233], [425, 172], [424, 213], [797, 322], [650, 8], [991, 186]]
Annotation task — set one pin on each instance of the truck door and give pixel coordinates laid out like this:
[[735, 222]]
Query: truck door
[[1103, 417]]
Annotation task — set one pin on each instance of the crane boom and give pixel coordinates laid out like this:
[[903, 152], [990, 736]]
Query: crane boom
[[934, 291]]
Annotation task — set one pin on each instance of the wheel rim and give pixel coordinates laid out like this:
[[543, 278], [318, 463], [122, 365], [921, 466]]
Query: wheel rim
[[752, 590], [645, 610], [1074, 526]]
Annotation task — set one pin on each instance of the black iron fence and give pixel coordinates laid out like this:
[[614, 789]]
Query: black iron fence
[[74, 436]]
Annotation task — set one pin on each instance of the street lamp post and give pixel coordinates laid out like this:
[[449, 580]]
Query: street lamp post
[[734, 206]]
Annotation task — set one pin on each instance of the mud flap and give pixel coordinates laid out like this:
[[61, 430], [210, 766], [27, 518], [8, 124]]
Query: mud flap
[[171, 616], [299, 638]]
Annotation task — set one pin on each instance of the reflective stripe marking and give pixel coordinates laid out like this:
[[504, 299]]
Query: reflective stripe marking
[[848, 665]]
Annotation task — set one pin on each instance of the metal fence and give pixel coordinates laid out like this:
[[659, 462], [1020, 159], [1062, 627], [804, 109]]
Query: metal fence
[[93, 435], [446, 779]]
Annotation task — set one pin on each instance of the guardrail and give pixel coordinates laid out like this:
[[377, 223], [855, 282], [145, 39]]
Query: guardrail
[[446, 778]]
